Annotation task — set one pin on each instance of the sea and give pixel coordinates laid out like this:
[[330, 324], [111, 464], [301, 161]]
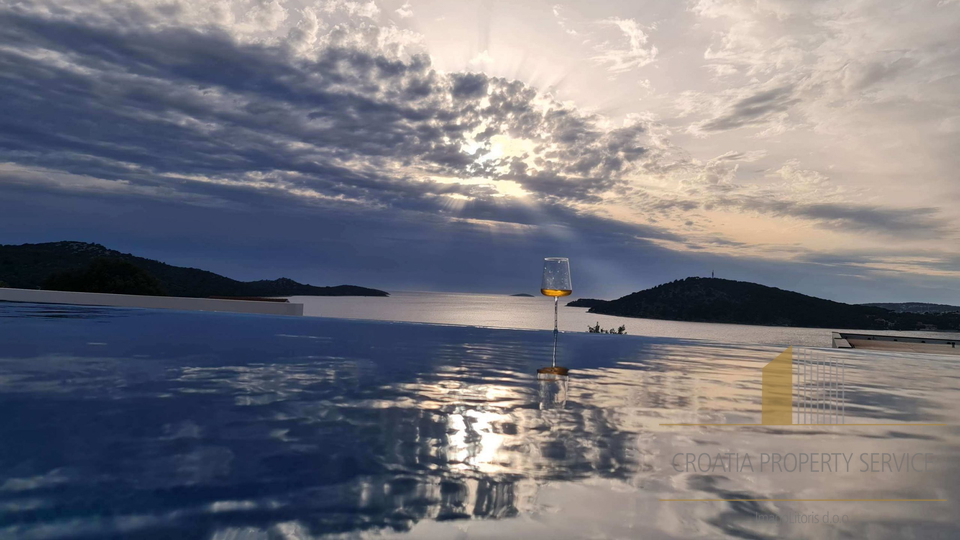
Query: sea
[[536, 313]]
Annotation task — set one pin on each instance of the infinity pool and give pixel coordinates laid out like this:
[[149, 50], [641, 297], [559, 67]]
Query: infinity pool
[[126, 423]]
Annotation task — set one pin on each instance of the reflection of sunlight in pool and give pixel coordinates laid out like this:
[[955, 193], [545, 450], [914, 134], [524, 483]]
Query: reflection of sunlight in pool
[[471, 443], [474, 415]]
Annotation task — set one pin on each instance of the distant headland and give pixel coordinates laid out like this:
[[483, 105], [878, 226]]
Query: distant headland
[[86, 267], [916, 307], [738, 302]]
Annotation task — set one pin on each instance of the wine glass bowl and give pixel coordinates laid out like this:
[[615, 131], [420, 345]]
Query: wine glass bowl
[[556, 277], [556, 292]]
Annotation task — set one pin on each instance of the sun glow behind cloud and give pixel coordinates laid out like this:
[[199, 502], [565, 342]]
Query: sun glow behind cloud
[[497, 154]]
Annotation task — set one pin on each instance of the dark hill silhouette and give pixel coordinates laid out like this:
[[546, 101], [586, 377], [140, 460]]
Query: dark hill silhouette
[[727, 301], [916, 307], [105, 275], [29, 266], [586, 302]]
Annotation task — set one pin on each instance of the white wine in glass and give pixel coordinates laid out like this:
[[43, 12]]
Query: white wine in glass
[[556, 283]]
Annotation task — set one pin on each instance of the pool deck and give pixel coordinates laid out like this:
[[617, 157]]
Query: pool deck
[[880, 342]]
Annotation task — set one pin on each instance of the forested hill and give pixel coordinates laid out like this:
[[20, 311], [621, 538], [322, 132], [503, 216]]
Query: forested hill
[[31, 266], [727, 301]]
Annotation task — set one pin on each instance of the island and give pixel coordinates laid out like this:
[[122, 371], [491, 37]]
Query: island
[[726, 301], [522, 295], [585, 302], [88, 267]]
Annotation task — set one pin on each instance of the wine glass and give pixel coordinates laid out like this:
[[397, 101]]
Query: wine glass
[[556, 283]]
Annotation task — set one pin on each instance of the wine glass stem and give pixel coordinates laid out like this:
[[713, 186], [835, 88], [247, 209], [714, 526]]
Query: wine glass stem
[[556, 302]]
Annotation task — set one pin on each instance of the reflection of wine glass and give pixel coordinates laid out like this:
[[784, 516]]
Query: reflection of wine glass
[[553, 391], [556, 283]]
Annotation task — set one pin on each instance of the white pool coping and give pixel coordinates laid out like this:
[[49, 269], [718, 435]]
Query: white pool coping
[[150, 302]]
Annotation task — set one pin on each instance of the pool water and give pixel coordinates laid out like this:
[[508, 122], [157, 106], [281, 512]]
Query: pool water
[[129, 423]]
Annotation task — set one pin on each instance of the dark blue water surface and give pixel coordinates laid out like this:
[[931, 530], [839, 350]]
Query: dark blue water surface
[[127, 423]]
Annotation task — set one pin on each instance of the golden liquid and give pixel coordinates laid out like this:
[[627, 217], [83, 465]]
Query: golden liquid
[[555, 292]]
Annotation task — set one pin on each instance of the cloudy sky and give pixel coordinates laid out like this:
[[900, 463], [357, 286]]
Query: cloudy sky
[[429, 144]]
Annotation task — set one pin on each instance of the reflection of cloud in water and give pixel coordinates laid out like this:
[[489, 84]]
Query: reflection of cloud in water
[[254, 425]]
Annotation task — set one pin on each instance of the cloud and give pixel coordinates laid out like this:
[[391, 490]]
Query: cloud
[[822, 61], [863, 219], [627, 49], [793, 192], [362, 9], [625, 54], [469, 85], [198, 111], [896, 222], [756, 109], [405, 11], [563, 21]]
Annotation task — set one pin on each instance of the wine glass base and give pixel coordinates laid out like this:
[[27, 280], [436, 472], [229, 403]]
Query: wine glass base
[[553, 370]]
